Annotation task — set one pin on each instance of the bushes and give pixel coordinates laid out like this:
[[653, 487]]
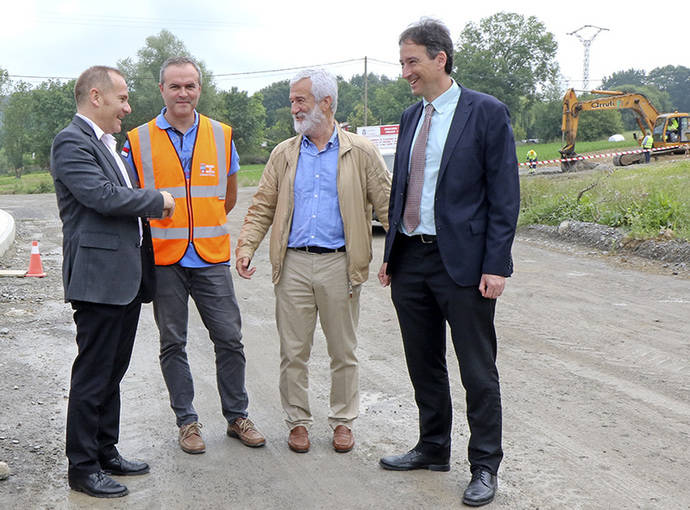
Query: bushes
[[646, 200], [28, 183]]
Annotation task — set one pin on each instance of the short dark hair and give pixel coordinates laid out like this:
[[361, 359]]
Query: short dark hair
[[179, 61], [95, 76], [434, 36]]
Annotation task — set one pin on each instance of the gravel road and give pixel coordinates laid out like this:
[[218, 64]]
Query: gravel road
[[594, 357]]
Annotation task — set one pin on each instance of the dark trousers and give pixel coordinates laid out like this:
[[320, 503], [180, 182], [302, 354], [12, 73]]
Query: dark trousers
[[212, 290], [425, 298], [105, 337]]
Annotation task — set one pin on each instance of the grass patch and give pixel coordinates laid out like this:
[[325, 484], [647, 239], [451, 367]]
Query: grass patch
[[249, 175], [646, 200], [40, 182], [550, 150]]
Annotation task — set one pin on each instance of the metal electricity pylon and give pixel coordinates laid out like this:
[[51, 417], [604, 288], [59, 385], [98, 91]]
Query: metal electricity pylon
[[587, 43]]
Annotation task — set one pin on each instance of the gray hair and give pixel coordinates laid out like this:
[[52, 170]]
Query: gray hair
[[179, 61], [323, 84]]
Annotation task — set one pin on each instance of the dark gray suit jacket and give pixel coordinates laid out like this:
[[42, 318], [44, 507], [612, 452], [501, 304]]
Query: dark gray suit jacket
[[102, 258]]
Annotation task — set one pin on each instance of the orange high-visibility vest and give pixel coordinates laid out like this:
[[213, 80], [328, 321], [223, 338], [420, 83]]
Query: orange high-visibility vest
[[199, 202]]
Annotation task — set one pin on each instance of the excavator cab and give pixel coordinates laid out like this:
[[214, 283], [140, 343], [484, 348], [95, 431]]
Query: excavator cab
[[671, 129]]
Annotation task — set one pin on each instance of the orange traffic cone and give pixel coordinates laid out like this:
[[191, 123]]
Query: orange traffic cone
[[35, 266]]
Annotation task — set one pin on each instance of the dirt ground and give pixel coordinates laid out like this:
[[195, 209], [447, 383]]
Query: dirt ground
[[594, 357]]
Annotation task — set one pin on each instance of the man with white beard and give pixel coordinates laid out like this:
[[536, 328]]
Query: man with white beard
[[317, 193]]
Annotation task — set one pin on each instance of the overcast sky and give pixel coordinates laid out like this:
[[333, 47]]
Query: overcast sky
[[62, 38]]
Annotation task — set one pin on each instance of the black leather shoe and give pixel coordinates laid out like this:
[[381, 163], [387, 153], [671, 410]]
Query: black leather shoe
[[98, 485], [413, 460], [481, 489], [123, 467]]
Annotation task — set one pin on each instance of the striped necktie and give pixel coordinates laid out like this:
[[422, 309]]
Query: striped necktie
[[415, 181]]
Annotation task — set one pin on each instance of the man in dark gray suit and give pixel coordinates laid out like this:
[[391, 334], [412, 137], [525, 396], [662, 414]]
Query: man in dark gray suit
[[107, 273]]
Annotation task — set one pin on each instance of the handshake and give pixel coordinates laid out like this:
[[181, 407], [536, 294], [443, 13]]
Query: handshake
[[168, 205]]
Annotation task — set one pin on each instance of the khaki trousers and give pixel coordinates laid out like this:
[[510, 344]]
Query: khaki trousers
[[310, 285]]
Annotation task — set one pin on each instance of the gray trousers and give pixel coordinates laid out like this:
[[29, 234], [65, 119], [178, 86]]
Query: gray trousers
[[213, 293]]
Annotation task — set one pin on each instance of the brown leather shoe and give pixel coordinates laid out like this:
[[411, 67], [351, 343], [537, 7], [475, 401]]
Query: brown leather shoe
[[244, 430], [190, 438], [343, 439], [299, 439]]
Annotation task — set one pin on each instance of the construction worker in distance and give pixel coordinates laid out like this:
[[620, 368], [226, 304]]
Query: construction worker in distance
[[647, 143], [532, 160], [672, 130]]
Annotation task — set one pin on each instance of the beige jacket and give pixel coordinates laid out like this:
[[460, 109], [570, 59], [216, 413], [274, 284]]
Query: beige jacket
[[363, 181]]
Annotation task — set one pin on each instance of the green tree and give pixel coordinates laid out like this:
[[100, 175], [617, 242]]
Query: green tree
[[4, 80], [676, 81], [391, 99], [247, 116], [52, 108], [356, 117], [508, 56], [143, 74], [275, 97], [349, 95], [635, 77], [546, 125], [15, 138], [281, 129]]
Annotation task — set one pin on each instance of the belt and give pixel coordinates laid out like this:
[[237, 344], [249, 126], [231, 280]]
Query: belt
[[318, 249], [422, 238]]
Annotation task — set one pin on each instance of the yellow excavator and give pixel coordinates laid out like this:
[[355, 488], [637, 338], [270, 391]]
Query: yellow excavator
[[668, 129]]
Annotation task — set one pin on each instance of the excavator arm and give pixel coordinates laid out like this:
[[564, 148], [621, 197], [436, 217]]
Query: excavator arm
[[645, 113]]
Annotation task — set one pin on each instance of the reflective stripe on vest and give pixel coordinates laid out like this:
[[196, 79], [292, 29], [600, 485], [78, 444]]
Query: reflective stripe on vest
[[199, 201], [181, 233]]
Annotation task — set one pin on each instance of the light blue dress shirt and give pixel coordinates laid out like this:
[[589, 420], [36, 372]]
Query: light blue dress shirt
[[316, 219], [444, 110], [184, 146]]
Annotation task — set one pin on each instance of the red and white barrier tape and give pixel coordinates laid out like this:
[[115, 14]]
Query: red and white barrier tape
[[603, 155]]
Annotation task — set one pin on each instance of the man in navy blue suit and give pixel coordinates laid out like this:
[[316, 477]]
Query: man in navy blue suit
[[453, 212]]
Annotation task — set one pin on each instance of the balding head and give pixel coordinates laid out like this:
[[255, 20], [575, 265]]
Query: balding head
[[97, 77]]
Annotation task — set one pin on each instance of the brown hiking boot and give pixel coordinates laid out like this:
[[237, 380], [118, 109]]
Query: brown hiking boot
[[244, 430], [190, 438]]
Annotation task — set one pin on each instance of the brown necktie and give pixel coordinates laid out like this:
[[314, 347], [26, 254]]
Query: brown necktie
[[416, 178]]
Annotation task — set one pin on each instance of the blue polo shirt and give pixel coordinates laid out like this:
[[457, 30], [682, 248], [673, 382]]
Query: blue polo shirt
[[184, 146]]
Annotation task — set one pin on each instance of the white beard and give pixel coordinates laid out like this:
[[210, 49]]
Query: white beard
[[309, 121]]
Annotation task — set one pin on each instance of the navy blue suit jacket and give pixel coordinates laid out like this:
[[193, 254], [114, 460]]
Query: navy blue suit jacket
[[477, 198]]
